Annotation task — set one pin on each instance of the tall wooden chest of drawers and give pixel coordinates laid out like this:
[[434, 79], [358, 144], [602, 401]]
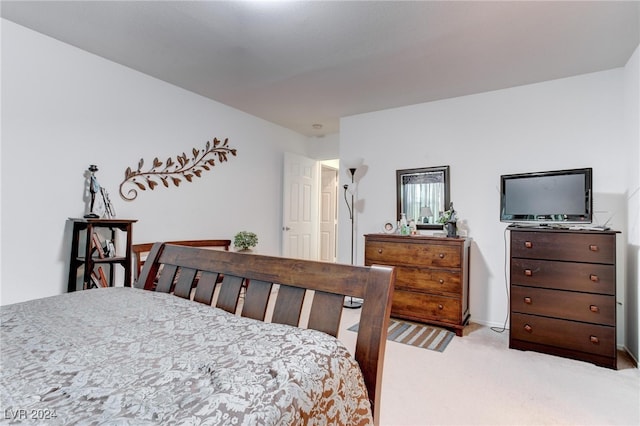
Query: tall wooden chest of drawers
[[432, 276], [563, 293]]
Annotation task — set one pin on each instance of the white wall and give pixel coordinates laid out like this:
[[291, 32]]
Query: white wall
[[64, 109], [569, 123], [632, 157], [325, 148]]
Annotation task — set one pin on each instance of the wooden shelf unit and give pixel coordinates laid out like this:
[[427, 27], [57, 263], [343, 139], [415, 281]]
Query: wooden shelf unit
[[83, 229]]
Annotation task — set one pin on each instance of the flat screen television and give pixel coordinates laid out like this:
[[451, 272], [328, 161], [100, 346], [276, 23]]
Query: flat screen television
[[552, 197]]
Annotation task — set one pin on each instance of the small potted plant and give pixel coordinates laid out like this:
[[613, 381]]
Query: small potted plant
[[245, 240]]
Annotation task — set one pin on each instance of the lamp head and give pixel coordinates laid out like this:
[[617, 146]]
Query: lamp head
[[352, 164], [426, 212]]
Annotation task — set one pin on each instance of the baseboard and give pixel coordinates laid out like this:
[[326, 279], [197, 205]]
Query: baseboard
[[629, 355], [490, 324]]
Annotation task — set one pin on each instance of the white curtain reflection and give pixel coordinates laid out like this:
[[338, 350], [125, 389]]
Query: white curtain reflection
[[423, 190]]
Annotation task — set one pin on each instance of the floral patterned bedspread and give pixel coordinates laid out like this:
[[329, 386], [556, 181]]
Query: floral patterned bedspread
[[129, 356]]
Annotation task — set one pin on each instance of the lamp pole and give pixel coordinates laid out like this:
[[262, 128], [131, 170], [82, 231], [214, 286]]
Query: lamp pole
[[352, 304]]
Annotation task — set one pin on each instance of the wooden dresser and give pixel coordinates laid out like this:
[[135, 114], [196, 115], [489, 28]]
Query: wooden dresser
[[432, 276], [563, 293]]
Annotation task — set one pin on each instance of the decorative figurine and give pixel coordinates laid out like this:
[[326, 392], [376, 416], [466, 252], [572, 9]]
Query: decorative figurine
[[94, 188], [451, 223]]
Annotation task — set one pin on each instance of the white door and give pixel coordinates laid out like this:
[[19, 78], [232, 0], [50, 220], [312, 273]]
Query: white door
[[328, 213], [300, 207]]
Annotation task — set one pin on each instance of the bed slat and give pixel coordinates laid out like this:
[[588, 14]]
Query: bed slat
[[185, 282], [288, 305], [166, 279], [256, 299], [206, 287], [229, 293], [326, 312]]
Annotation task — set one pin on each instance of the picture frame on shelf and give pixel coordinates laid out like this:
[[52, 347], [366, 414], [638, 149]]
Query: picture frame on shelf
[[109, 211], [110, 249], [389, 228]]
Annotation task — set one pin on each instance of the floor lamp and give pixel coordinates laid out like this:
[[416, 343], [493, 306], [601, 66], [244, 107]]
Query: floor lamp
[[351, 303]]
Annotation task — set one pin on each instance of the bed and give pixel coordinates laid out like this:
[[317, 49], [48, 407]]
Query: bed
[[257, 348]]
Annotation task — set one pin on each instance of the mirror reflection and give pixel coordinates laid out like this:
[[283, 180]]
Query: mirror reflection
[[422, 195]]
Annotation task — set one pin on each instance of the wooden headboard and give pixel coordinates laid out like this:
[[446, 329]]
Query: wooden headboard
[[191, 272]]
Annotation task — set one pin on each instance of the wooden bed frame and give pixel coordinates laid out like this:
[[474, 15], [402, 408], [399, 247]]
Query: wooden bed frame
[[191, 272]]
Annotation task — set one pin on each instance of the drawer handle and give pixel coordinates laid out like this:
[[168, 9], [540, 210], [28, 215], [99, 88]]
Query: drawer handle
[[528, 328], [440, 307], [527, 300], [441, 281], [379, 251], [528, 272], [594, 278], [594, 309], [528, 244], [441, 255], [594, 247], [594, 340]]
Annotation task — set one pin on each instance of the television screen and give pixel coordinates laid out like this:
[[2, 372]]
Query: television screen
[[562, 196]]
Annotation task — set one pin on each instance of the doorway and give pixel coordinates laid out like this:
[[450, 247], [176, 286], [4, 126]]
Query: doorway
[[328, 217], [310, 208]]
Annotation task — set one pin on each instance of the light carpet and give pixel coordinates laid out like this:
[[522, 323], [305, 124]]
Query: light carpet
[[419, 335]]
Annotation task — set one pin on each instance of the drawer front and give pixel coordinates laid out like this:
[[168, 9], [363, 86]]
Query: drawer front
[[584, 277], [434, 255], [589, 338], [592, 308], [577, 247], [428, 280], [426, 306]]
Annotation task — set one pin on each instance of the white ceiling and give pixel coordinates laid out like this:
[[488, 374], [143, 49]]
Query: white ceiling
[[297, 63]]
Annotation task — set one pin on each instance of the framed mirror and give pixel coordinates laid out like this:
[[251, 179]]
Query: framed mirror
[[422, 195]]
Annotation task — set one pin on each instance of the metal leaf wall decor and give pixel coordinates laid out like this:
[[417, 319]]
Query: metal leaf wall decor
[[175, 171]]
